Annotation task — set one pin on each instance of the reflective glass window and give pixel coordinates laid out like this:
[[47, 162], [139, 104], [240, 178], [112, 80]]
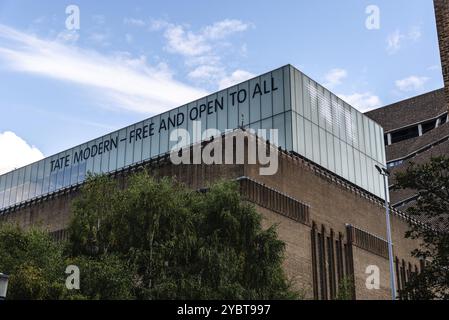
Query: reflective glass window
[[344, 160], [2, 189], [278, 94], [308, 138], [121, 151], [7, 195], [323, 149], [279, 124], [330, 151], [337, 154], [316, 144]]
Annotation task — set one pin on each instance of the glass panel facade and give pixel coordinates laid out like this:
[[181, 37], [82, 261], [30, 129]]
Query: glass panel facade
[[310, 119], [348, 144]]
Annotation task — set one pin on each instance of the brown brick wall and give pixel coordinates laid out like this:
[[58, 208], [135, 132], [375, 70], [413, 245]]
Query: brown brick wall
[[335, 205], [331, 205], [298, 262], [442, 19]]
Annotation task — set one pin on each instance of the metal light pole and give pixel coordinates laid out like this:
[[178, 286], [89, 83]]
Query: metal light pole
[[3, 286], [384, 172]]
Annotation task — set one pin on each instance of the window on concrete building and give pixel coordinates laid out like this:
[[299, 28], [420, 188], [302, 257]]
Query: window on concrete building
[[404, 134], [427, 126], [394, 163]]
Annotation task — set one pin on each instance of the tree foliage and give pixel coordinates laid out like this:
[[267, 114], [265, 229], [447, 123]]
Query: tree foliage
[[345, 290], [431, 182], [157, 239]]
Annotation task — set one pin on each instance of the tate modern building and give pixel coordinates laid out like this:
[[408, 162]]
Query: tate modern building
[[326, 196], [311, 121]]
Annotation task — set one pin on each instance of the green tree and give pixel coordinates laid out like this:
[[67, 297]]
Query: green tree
[[36, 265], [154, 239], [34, 262], [178, 243], [345, 289], [431, 182]]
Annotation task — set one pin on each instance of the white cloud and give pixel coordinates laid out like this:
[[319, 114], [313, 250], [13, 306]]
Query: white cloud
[[189, 43], [124, 82], [236, 77], [204, 51], [334, 77], [222, 29], [412, 83], [134, 22], [100, 38], [362, 101], [204, 72], [394, 41], [16, 152], [185, 42], [68, 36], [158, 24], [415, 33]]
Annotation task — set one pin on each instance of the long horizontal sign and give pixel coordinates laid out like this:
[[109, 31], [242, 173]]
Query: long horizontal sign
[[235, 97]]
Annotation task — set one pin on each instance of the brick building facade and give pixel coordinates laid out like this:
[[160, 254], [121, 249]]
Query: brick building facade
[[333, 229], [442, 21]]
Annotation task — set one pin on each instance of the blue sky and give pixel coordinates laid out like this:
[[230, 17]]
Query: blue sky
[[132, 59]]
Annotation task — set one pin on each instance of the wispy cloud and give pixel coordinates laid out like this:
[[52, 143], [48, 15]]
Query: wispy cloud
[[99, 19], [412, 83], [16, 152], [184, 42], [396, 39], [99, 38], [204, 50], [224, 28], [123, 81], [205, 71], [334, 77], [435, 67], [68, 36], [362, 101], [415, 33], [134, 22], [235, 77], [188, 43]]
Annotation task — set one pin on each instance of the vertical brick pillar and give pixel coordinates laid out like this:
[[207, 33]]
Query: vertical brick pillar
[[442, 19]]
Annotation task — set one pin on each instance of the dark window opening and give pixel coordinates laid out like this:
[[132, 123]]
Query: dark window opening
[[404, 134], [427, 126], [443, 119], [394, 163]]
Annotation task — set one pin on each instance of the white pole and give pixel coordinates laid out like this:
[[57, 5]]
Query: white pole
[[390, 245]]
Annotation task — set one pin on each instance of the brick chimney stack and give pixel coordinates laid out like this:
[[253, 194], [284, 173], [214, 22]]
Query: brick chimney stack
[[442, 19]]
